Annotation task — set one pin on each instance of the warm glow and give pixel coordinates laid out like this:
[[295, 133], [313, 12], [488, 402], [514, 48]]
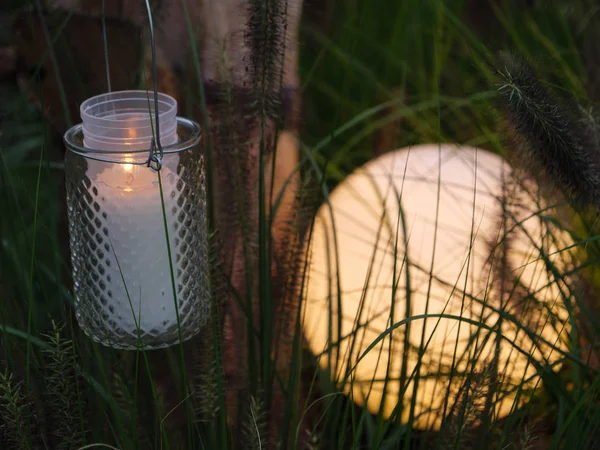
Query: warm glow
[[128, 167], [383, 249], [129, 177]]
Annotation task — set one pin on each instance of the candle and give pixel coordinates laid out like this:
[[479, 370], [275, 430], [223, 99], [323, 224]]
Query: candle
[[390, 226], [130, 223]]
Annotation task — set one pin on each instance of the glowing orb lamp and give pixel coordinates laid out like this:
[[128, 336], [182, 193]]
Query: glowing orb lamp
[[444, 248]]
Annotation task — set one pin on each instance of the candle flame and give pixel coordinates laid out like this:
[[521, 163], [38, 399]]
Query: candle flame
[[128, 167]]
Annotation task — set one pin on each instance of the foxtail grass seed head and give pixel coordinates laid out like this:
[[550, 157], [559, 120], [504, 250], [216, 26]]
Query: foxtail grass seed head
[[551, 135], [61, 394], [254, 425], [265, 37], [13, 414]]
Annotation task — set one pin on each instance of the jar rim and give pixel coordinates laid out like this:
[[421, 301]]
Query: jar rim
[[75, 134]]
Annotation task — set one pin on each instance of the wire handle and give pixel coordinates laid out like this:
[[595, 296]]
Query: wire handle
[[154, 157], [104, 38]]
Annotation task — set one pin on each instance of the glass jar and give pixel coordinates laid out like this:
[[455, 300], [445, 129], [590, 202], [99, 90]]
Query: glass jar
[[140, 272]]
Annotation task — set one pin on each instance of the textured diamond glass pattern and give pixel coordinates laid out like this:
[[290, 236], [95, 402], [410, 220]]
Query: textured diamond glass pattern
[[120, 257]]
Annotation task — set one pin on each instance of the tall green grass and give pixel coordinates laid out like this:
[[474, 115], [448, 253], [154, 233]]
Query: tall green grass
[[396, 72]]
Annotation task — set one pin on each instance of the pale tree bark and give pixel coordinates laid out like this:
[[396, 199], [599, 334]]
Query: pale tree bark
[[227, 59]]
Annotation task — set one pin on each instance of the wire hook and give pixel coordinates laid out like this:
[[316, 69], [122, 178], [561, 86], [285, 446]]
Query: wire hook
[[156, 144], [154, 159], [105, 39]]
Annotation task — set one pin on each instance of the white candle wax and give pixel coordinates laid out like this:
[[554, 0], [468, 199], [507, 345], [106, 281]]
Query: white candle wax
[[130, 221]]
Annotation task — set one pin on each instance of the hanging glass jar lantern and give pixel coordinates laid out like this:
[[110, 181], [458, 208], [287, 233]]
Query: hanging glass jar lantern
[[140, 271], [137, 218]]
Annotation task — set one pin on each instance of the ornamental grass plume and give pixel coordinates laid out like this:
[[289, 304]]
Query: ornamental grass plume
[[265, 37], [13, 414], [254, 425], [552, 135], [63, 401]]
